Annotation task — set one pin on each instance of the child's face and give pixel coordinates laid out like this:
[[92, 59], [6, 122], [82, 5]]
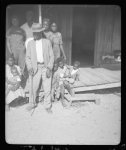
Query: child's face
[[14, 72], [75, 66], [61, 64], [54, 27], [11, 62], [46, 25]]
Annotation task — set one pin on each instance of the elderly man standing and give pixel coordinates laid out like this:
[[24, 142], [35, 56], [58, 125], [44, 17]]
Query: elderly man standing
[[39, 61]]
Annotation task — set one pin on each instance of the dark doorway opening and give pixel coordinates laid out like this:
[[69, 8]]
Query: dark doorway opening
[[83, 41]]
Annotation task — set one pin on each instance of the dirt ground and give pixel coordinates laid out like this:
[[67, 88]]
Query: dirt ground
[[83, 123]]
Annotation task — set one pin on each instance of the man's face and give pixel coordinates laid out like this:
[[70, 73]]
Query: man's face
[[54, 27], [46, 25], [37, 35], [61, 64], [29, 17], [15, 22], [11, 62]]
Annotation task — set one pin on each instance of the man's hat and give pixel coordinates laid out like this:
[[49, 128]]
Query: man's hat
[[37, 27]]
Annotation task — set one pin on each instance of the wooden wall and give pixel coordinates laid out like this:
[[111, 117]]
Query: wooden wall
[[108, 32], [62, 15]]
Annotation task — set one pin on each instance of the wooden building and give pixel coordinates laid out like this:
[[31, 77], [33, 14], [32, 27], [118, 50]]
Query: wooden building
[[89, 31]]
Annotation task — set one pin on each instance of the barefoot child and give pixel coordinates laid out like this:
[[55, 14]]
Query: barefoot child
[[64, 73]]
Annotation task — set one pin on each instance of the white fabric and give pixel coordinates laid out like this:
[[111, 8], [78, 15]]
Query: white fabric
[[8, 71], [62, 71], [14, 94], [27, 41], [39, 51], [74, 71], [18, 78]]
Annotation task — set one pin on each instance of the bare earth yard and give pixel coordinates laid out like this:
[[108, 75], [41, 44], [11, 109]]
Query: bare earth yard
[[83, 123]]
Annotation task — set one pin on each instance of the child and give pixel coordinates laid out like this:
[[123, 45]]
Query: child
[[63, 73], [74, 73], [15, 78], [13, 88], [55, 83]]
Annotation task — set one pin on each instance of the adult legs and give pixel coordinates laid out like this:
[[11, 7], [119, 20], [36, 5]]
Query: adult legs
[[46, 82], [34, 85]]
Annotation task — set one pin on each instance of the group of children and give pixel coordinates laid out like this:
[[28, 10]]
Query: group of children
[[13, 80], [64, 77]]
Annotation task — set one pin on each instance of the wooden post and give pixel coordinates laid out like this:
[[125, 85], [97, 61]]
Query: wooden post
[[40, 14]]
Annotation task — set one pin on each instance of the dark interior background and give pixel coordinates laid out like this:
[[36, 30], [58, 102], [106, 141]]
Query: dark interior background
[[83, 35]]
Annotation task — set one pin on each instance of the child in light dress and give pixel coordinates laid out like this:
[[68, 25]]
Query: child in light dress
[[74, 73], [13, 79]]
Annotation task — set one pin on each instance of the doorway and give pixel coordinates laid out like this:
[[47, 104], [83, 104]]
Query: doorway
[[83, 41]]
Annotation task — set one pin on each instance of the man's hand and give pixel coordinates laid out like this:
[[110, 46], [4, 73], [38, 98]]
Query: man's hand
[[48, 73], [31, 72]]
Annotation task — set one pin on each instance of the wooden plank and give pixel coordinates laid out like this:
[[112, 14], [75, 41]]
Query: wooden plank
[[104, 76], [97, 87], [77, 97], [90, 88], [79, 84], [83, 97], [87, 78], [113, 74], [97, 77]]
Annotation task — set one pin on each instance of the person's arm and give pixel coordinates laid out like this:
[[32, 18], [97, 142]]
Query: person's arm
[[61, 46], [77, 78], [19, 71], [24, 35], [51, 56], [28, 59], [8, 41]]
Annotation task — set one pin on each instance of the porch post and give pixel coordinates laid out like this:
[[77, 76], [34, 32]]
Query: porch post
[[40, 14]]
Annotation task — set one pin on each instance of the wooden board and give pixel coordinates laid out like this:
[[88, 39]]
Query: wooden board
[[83, 97], [77, 97], [97, 87], [97, 77], [113, 74], [104, 76], [87, 78]]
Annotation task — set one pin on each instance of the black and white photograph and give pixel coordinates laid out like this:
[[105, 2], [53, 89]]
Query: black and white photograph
[[63, 74]]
